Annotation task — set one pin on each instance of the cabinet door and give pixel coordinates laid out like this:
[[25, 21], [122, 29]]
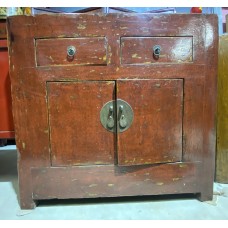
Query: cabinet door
[[77, 136], [155, 135]]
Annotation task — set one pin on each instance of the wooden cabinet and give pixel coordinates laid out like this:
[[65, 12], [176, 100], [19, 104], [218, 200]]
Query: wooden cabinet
[[6, 118], [114, 104]]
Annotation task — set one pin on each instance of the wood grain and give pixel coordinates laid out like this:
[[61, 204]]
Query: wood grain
[[222, 120]]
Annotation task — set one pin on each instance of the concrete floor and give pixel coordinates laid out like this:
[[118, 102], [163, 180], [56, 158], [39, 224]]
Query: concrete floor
[[128, 208]]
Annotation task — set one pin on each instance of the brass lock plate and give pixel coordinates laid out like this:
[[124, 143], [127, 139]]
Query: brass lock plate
[[116, 116]]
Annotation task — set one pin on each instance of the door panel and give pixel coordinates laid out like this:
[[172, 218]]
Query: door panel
[[77, 136], [155, 135]]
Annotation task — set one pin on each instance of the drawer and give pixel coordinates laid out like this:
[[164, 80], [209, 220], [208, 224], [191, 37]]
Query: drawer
[[88, 51], [139, 50]]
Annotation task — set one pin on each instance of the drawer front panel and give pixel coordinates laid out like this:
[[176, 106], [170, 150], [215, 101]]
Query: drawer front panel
[[88, 51], [139, 50], [76, 134], [155, 135]]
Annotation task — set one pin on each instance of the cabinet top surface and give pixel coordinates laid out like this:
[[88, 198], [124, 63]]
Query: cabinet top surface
[[72, 15], [113, 24], [116, 41]]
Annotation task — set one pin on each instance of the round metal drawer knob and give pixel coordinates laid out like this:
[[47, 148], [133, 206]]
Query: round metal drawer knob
[[156, 50], [71, 50]]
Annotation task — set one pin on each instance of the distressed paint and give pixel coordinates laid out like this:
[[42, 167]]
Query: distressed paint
[[23, 145], [114, 181], [80, 26]]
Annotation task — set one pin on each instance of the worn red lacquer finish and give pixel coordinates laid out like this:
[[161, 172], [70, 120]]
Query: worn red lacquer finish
[[6, 117], [66, 151]]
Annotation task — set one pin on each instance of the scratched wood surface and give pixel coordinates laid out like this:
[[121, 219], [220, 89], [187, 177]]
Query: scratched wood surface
[[30, 96], [114, 181], [155, 135]]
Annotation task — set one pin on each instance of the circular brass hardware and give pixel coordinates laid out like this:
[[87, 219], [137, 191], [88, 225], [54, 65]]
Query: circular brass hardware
[[71, 50], [116, 116], [156, 50]]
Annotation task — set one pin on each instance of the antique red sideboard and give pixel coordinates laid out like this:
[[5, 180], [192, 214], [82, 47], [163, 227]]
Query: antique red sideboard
[[6, 118], [109, 105]]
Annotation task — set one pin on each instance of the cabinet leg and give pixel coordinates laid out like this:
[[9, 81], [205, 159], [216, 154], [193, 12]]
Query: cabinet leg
[[27, 203], [25, 185], [205, 196], [3, 142], [26, 200]]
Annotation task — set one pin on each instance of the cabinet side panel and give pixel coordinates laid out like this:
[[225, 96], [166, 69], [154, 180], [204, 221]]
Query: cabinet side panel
[[210, 96], [222, 117], [29, 106]]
